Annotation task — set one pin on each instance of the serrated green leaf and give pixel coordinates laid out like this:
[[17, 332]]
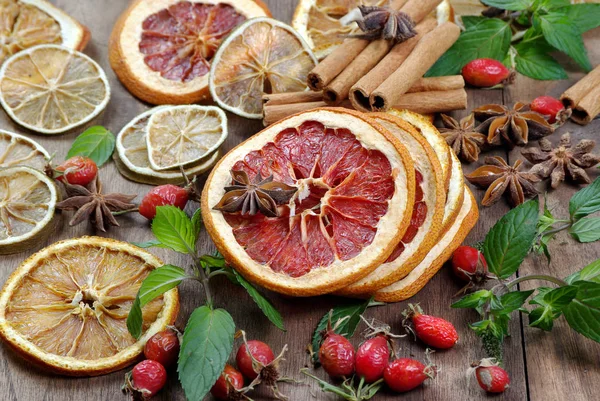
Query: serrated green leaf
[[150, 244], [96, 142], [206, 346], [490, 39], [135, 319], [586, 229], [585, 201], [561, 33], [473, 300], [589, 273], [470, 21], [513, 300], [265, 306], [583, 16], [197, 221], [216, 261], [508, 242], [512, 5], [547, 5], [542, 318], [173, 228], [534, 62], [583, 313]]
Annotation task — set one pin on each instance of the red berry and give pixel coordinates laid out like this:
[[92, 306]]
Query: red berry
[[485, 72], [162, 196], [260, 351], [149, 377], [465, 263], [548, 106], [371, 358], [433, 331], [230, 379], [404, 374], [163, 347], [78, 170], [337, 355], [492, 379]]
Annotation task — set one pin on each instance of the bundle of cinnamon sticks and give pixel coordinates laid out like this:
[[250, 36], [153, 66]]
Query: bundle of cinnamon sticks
[[378, 75], [583, 98]]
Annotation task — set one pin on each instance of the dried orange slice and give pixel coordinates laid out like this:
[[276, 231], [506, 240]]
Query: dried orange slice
[[65, 308], [261, 56], [27, 23], [51, 89], [184, 135], [356, 189], [17, 150], [162, 50], [27, 203], [132, 160]]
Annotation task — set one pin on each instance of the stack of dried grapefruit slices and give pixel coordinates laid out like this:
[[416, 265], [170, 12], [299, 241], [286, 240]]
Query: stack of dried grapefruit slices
[[339, 201]]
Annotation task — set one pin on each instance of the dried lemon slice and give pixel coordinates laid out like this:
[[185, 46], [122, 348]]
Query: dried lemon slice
[[184, 135], [66, 306], [17, 150], [27, 203], [51, 89], [260, 54], [132, 156]]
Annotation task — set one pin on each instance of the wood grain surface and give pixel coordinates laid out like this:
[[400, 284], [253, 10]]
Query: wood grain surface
[[556, 366]]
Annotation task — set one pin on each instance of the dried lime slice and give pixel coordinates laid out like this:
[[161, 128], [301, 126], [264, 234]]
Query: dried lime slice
[[17, 150]]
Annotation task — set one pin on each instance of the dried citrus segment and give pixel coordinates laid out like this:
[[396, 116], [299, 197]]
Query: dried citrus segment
[[27, 23], [66, 306], [51, 89], [184, 135], [27, 203], [162, 50], [132, 156], [17, 150], [354, 201], [260, 56]]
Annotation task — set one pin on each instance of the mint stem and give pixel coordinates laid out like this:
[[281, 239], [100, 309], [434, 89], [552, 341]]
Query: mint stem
[[543, 277], [517, 36], [557, 229]]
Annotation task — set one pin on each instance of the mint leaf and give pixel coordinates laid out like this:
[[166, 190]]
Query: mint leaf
[[534, 62], [174, 229], [216, 261], [197, 221], [506, 245], [589, 273], [564, 36], [490, 38], [470, 21], [96, 142], [512, 5], [583, 16], [135, 319], [512, 301], [265, 306], [586, 229], [585, 201], [150, 244], [473, 300], [583, 313], [206, 346], [547, 5]]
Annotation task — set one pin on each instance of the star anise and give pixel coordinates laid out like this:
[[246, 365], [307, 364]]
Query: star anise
[[259, 195], [513, 127], [462, 137], [562, 161], [385, 23], [91, 203], [498, 177]]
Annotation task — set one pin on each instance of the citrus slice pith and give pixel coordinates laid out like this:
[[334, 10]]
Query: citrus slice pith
[[132, 160], [66, 307], [184, 135], [260, 56], [17, 150], [51, 89], [354, 202], [27, 203], [162, 50], [27, 23]]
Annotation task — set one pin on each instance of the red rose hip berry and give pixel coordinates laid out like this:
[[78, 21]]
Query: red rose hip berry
[[550, 107], [337, 355], [148, 377], [405, 374], [433, 331], [468, 262], [164, 195], [227, 384], [485, 72], [372, 357], [492, 379], [261, 353], [163, 347], [78, 170]]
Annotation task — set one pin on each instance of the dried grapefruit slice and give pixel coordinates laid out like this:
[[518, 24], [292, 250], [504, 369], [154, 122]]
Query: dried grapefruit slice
[[260, 56], [27, 203], [27, 23], [132, 160], [51, 89], [427, 216], [437, 256], [354, 202], [65, 308], [17, 150], [162, 50]]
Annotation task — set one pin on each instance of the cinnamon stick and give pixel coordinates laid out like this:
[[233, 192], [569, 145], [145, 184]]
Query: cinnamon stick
[[292, 97], [425, 54], [434, 101], [584, 98], [335, 62], [438, 84], [276, 112]]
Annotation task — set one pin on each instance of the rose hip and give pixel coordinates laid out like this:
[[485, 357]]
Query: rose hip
[[485, 72], [467, 262], [226, 385], [372, 358], [78, 170], [148, 377], [337, 355], [492, 379], [405, 374], [162, 196], [260, 351], [163, 347], [551, 108], [433, 331]]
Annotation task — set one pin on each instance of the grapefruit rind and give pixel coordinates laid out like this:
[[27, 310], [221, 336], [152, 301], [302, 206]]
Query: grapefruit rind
[[339, 274]]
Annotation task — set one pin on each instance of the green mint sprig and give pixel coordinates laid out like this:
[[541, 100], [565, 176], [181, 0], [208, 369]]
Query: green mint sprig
[[96, 142]]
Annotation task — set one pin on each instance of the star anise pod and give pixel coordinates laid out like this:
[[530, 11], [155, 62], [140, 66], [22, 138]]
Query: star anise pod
[[91, 203], [462, 137], [513, 127], [385, 23], [259, 195], [562, 161], [498, 177]]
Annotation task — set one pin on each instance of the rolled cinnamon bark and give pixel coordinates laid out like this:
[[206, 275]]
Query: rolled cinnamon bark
[[274, 113], [433, 102], [575, 94], [425, 54], [438, 84], [292, 97]]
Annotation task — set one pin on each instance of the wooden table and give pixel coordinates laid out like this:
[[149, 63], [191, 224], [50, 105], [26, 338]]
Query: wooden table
[[556, 366]]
